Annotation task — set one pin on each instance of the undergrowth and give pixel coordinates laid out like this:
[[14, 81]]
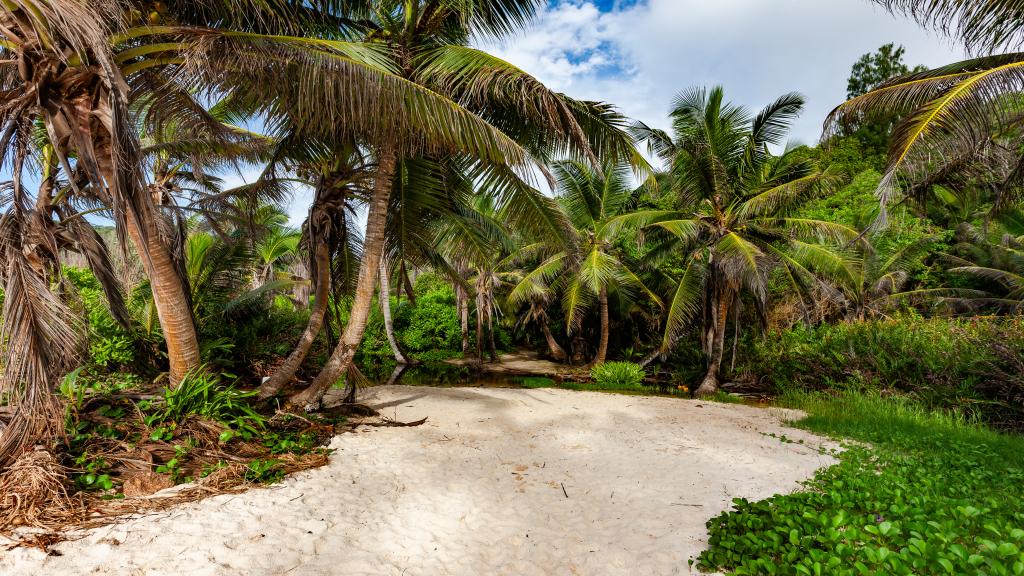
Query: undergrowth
[[933, 493]]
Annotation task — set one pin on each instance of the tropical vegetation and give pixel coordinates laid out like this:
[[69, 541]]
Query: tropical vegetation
[[461, 210]]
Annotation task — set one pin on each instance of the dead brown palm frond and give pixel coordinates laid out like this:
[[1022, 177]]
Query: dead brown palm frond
[[40, 336], [34, 492], [982, 25]]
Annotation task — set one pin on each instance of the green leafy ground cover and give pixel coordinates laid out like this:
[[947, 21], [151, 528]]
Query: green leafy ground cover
[[933, 493]]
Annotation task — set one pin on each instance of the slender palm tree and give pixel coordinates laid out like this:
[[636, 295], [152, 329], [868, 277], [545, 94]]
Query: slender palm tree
[[591, 267], [341, 177], [737, 201]]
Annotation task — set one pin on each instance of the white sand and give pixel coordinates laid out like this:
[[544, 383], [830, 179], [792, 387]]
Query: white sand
[[477, 490]]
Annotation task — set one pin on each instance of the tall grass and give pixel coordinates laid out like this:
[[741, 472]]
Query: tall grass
[[897, 421]]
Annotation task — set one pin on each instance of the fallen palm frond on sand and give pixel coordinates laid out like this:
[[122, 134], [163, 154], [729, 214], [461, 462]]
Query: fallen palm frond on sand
[[123, 454]]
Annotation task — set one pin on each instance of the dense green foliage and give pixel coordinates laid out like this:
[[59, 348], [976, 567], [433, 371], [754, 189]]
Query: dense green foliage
[[968, 365], [932, 494]]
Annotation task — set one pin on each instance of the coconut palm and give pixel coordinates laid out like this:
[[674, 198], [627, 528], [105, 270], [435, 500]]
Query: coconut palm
[[737, 201], [996, 267], [860, 280], [590, 268], [980, 26], [960, 116], [92, 73], [341, 177], [427, 41]]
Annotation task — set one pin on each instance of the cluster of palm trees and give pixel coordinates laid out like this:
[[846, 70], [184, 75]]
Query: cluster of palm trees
[[129, 109]]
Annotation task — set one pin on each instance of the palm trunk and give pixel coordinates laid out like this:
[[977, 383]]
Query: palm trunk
[[479, 324], [373, 250], [651, 357], [554, 350], [169, 297], [462, 301], [385, 309], [490, 329], [318, 311], [602, 347], [709, 386]]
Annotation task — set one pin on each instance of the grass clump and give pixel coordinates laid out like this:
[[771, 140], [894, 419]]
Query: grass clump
[[934, 493], [618, 376]]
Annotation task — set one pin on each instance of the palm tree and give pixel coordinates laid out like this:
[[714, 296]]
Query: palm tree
[[963, 116], [590, 268], [427, 41], [341, 177], [995, 266], [862, 281], [737, 200], [980, 26], [85, 69]]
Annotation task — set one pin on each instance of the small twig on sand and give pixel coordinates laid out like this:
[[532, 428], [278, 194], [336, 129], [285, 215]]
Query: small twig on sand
[[563, 490], [388, 422]]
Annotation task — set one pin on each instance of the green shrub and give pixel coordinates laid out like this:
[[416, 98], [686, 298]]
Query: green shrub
[[110, 344], [973, 366], [618, 375], [201, 393]]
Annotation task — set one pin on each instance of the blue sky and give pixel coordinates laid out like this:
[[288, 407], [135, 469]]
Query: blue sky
[[639, 53]]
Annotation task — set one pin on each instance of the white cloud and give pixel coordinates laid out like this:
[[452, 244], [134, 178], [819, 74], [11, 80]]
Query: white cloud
[[639, 56]]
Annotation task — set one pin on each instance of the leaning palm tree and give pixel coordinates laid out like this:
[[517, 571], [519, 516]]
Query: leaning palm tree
[[981, 26], [737, 203], [427, 41], [591, 267], [961, 116], [92, 73]]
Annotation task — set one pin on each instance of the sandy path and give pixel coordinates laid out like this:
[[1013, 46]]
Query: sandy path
[[476, 490]]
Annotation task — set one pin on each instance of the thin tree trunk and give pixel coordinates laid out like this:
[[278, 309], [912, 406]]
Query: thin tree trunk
[[291, 365], [462, 301], [709, 386], [373, 249], [490, 328], [385, 309], [651, 357], [169, 297], [556, 351], [602, 347], [479, 323]]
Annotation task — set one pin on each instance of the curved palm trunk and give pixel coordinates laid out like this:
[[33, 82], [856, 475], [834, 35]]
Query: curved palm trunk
[[170, 293], [169, 297], [709, 386], [373, 250], [652, 356], [490, 329], [602, 347], [385, 309], [291, 365], [554, 350]]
